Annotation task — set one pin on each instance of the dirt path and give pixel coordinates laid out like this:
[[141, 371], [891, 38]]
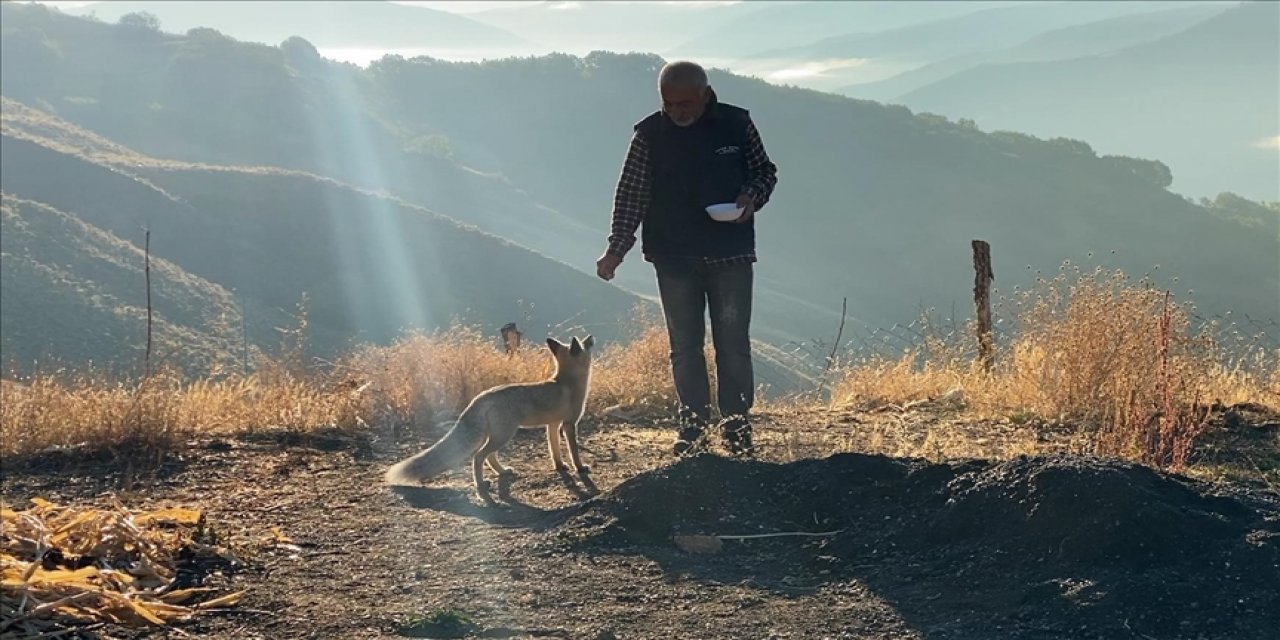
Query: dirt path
[[369, 559]]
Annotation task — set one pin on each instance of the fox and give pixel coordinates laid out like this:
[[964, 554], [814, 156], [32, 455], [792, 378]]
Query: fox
[[492, 418]]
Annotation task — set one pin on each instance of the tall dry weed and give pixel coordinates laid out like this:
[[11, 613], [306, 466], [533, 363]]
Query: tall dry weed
[[427, 376], [156, 414], [1114, 357], [418, 381]]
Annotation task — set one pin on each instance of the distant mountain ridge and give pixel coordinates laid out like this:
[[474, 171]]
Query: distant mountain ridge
[[875, 203], [1092, 38], [1212, 90], [327, 24], [253, 241]]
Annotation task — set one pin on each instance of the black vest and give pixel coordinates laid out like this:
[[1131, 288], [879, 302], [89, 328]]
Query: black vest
[[693, 167]]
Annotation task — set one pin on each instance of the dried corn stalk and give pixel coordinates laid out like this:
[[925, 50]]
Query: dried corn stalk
[[63, 565]]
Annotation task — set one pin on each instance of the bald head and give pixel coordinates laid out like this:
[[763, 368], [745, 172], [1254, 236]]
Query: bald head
[[685, 92], [682, 74]]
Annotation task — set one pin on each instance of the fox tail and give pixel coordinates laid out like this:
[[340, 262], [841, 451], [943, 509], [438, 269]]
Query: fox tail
[[462, 441]]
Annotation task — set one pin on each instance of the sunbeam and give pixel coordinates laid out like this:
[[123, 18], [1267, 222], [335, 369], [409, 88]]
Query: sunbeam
[[379, 274]]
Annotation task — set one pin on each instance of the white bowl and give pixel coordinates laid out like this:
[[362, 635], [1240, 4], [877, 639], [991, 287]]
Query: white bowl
[[725, 211]]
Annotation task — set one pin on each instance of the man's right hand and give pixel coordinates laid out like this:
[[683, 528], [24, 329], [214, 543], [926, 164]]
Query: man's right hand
[[607, 265]]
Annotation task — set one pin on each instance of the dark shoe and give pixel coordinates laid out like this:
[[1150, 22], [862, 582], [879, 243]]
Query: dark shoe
[[737, 438], [688, 442]]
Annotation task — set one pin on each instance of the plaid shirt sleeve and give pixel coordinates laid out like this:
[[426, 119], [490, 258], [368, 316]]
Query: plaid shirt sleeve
[[631, 198], [763, 173]]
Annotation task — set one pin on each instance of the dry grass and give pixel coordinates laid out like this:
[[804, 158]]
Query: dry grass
[[1112, 358], [417, 382], [152, 416], [1095, 350], [429, 377], [636, 375]]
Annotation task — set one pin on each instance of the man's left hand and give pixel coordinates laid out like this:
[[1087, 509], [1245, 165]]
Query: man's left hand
[[748, 205]]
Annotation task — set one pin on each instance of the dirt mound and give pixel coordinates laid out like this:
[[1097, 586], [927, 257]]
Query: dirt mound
[[1073, 545], [1088, 511]]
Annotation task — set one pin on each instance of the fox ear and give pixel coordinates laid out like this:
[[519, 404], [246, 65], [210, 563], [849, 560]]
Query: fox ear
[[575, 347], [554, 345], [589, 342]]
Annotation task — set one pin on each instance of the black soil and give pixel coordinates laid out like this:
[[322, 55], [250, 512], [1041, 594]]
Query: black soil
[[1039, 547]]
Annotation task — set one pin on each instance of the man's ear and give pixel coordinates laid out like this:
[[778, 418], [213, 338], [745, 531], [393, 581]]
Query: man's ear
[[575, 347], [589, 342], [554, 345], [706, 94]]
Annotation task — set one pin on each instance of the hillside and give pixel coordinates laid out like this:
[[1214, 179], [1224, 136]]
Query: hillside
[[875, 203], [206, 98], [1211, 90], [371, 266], [75, 295]]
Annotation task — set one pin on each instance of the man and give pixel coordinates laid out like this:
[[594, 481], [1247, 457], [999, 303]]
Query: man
[[695, 152]]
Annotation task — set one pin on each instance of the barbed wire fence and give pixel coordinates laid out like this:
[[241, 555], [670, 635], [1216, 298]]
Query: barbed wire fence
[[1241, 342], [812, 366]]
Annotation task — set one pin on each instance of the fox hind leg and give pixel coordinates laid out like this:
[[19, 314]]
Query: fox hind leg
[[490, 447], [496, 465]]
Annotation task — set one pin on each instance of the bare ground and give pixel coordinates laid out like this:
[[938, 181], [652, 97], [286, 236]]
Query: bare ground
[[1047, 546]]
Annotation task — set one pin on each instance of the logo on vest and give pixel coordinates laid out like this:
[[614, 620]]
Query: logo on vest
[[724, 151]]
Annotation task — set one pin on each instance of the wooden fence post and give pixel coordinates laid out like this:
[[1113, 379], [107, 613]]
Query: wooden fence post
[[983, 276], [511, 337], [147, 270]]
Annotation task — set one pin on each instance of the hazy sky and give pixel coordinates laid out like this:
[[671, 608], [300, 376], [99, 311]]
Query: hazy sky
[[467, 6], [470, 6], [462, 7]]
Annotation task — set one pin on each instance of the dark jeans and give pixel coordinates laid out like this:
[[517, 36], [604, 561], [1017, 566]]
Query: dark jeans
[[688, 288]]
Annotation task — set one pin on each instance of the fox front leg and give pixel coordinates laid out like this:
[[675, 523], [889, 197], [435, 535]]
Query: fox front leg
[[553, 443], [571, 435]]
